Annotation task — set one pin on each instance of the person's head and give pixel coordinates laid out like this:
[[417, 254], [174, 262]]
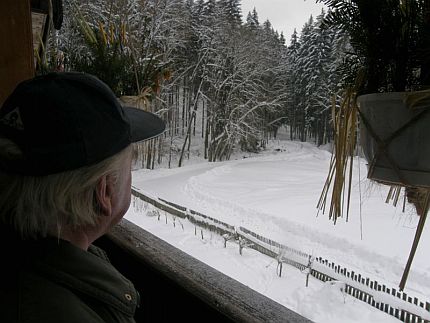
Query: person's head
[[65, 154]]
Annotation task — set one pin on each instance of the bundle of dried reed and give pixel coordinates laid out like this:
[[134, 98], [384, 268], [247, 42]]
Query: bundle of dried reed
[[339, 179]]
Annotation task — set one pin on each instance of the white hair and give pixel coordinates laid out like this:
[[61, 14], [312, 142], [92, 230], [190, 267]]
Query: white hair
[[35, 206]]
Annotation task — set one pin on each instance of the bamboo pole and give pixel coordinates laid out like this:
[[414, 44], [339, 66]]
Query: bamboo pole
[[418, 233]]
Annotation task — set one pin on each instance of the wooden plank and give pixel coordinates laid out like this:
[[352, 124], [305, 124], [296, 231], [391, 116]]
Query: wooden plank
[[16, 54]]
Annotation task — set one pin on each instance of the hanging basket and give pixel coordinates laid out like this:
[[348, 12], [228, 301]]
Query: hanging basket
[[395, 136]]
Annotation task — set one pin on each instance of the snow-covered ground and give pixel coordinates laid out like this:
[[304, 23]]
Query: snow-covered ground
[[275, 195]]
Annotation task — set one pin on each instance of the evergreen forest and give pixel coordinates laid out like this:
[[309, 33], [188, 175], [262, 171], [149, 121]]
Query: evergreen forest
[[212, 72]]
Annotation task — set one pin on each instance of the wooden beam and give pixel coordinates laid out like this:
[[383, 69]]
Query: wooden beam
[[16, 53]]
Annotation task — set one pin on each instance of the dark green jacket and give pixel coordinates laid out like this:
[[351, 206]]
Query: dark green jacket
[[53, 281]]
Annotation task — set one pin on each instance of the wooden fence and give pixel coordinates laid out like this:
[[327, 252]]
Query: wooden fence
[[389, 300]]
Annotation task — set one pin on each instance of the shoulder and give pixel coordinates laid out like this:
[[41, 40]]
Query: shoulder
[[56, 282], [33, 298], [44, 300]]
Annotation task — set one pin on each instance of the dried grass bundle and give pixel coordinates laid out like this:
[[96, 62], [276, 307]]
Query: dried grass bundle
[[339, 179]]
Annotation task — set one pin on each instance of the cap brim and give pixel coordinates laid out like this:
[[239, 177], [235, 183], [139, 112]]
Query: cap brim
[[143, 125]]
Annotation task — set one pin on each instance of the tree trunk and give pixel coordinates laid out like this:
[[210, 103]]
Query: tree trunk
[[183, 106], [206, 139], [203, 119], [193, 115]]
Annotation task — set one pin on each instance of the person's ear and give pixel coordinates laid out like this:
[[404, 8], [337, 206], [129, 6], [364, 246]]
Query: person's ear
[[104, 195]]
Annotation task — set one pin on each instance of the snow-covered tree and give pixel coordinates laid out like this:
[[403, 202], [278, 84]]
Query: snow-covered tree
[[199, 66]]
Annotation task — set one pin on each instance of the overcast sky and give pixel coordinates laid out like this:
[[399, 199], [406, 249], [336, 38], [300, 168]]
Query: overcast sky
[[285, 15]]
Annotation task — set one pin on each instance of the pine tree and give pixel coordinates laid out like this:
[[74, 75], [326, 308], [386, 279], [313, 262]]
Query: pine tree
[[232, 11], [252, 21]]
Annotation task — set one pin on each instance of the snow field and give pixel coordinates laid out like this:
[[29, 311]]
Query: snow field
[[275, 195]]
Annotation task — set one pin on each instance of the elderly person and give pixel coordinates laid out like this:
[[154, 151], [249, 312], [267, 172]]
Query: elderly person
[[65, 180]]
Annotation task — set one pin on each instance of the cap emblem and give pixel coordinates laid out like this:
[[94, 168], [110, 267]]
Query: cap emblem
[[13, 119]]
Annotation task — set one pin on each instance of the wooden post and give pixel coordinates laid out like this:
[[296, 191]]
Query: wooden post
[[279, 268], [408, 317], [402, 316], [397, 313], [418, 232], [16, 53]]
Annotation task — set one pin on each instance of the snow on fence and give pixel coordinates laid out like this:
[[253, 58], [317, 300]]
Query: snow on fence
[[207, 221], [389, 300], [158, 203], [194, 217]]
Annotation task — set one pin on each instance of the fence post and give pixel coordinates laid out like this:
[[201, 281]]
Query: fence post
[[397, 313], [373, 287], [308, 269], [380, 304], [408, 317], [279, 268], [386, 291], [402, 315]]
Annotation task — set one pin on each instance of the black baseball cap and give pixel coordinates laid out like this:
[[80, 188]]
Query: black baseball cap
[[66, 120]]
